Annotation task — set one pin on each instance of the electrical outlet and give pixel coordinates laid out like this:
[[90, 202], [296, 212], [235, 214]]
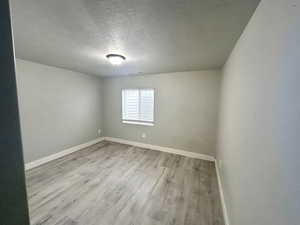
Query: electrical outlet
[[144, 135], [220, 163], [99, 132]]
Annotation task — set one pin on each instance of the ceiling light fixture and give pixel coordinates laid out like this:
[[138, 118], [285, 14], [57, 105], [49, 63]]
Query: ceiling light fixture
[[115, 59]]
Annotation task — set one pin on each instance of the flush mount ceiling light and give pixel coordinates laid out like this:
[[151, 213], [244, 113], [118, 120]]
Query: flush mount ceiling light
[[115, 59]]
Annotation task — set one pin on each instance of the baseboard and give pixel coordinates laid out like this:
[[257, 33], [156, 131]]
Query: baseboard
[[68, 151], [224, 208], [162, 149]]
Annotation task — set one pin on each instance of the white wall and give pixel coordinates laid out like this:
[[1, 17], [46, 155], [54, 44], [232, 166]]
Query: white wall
[[186, 110], [259, 137], [58, 108]]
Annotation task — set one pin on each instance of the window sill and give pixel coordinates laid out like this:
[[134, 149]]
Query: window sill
[[138, 123]]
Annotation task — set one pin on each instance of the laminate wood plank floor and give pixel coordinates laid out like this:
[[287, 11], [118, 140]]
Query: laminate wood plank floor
[[116, 184]]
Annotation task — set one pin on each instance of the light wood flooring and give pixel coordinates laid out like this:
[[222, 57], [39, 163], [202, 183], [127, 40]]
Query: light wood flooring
[[115, 184]]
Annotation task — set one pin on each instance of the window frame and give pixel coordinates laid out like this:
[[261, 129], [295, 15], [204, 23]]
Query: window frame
[[138, 122]]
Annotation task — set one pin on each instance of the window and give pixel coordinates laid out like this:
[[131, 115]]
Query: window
[[138, 106]]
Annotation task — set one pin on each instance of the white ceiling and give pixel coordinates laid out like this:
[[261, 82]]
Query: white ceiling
[[156, 36]]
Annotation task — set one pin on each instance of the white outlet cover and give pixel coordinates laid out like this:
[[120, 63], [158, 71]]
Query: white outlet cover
[[144, 135], [99, 131]]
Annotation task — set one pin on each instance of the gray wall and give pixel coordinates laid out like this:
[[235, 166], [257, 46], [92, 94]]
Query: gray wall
[[58, 108], [259, 140], [186, 106]]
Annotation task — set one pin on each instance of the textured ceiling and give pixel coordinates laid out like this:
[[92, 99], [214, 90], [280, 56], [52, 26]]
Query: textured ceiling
[[156, 36]]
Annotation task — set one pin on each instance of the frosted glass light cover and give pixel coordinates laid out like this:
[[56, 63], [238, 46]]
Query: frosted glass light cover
[[115, 59]]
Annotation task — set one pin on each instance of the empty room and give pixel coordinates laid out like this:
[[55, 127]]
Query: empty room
[[150, 112]]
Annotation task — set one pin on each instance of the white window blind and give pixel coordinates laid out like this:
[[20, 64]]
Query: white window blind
[[138, 106]]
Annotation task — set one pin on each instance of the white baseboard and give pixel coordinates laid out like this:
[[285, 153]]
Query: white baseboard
[[68, 151], [224, 208], [162, 149]]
